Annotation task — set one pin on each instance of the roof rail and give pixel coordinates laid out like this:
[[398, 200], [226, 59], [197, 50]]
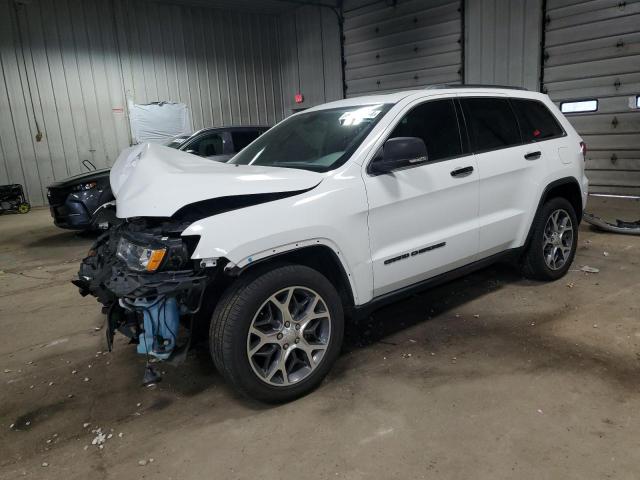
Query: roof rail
[[472, 85]]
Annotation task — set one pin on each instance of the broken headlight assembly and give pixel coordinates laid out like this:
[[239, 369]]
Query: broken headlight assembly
[[153, 254], [138, 257]]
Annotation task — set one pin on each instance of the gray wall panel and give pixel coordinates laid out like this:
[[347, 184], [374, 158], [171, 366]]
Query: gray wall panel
[[592, 50], [18, 124], [503, 42], [411, 44], [85, 58], [309, 57]]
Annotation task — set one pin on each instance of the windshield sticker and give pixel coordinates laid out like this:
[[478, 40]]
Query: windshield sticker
[[357, 116]]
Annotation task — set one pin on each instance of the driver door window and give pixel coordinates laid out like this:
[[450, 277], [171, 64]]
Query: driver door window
[[436, 123]]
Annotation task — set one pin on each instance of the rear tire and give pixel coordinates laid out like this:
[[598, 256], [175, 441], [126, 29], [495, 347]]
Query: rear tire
[[553, 241], [275, 334]]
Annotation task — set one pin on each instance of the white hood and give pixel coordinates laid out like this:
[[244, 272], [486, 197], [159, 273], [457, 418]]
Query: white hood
[[154, 181]]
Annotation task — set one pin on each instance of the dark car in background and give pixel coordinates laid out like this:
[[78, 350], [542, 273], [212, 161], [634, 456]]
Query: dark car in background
[[78, 202]]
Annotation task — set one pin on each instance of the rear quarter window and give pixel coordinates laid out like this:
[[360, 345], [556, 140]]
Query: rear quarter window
[[535, 120]]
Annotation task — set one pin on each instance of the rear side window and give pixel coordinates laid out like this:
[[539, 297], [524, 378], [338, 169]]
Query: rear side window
[[434, 122], [242, 138], [491, 123], [535, 120]]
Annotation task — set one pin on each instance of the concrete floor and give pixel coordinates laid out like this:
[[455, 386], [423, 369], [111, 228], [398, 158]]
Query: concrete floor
[[488, 377]]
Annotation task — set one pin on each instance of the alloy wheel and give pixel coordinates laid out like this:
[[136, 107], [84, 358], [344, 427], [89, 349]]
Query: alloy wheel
[[289, 336], [557, 239]]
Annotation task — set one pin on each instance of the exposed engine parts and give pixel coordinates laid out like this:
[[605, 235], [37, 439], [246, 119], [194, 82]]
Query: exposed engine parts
[[142, 274]]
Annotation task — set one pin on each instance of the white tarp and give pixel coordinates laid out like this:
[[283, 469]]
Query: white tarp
[[159, 121]]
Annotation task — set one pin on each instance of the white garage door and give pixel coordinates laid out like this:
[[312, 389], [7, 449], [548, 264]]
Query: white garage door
[[394, 45], [592, 52]]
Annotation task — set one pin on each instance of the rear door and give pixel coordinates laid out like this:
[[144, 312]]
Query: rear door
[[423, 219], [510, 172]]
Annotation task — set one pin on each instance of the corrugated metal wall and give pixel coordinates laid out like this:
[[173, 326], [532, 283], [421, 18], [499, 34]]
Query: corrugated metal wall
[[503, 42], [405, 44], [84, 58], [310, 57], [592, 50], [61, 79], [222, 64]]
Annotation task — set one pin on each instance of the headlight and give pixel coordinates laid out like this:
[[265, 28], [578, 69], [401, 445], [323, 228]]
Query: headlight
[[84, 186], [139, 258]]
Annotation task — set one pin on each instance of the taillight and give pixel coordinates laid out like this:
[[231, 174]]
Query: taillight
[[583, 149]]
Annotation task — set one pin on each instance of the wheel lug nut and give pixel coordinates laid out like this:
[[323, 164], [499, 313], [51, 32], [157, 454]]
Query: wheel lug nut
[[285, 346], [297, 326], [297, 340], [279, 336], [287, 324]]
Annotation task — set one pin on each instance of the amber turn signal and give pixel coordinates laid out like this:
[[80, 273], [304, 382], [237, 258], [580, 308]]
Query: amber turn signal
[[155, 260]]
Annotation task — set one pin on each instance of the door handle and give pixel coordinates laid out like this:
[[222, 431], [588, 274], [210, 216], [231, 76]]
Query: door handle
[[462, 172], [533, 155]]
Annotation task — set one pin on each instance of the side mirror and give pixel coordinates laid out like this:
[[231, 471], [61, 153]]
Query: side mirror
[[398, 153]]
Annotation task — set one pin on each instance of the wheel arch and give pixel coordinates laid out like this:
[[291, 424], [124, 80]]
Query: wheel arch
[[568, 188], [319, 256]]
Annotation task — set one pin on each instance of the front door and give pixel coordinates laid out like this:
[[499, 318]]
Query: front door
[[423, 219]]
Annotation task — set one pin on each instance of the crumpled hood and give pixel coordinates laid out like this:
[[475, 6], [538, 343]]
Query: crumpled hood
[[151, 180]]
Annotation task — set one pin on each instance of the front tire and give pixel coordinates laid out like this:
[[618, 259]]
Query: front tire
[[275, 334], [553, 242]]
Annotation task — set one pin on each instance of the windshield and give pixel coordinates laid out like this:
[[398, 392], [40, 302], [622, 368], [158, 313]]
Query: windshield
[[318, 141], [175, 142]]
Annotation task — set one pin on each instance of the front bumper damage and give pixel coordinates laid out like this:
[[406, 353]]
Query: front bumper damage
[[147, 307]]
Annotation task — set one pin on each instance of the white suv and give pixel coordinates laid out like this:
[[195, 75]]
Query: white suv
[[329, 214]]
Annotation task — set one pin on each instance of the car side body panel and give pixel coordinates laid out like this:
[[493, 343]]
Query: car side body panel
[[362, 220], [497, 217], [310, 218]]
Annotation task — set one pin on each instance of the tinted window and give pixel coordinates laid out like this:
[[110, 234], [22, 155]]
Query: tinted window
[[535, 120], [242, 138], [207, 146], [491, 122], [434, 122]]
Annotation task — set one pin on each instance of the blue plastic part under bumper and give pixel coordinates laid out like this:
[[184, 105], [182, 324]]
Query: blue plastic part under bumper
[[161, 321]]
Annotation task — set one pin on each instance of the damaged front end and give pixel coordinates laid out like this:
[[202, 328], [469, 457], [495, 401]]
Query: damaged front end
[[142, 273]]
